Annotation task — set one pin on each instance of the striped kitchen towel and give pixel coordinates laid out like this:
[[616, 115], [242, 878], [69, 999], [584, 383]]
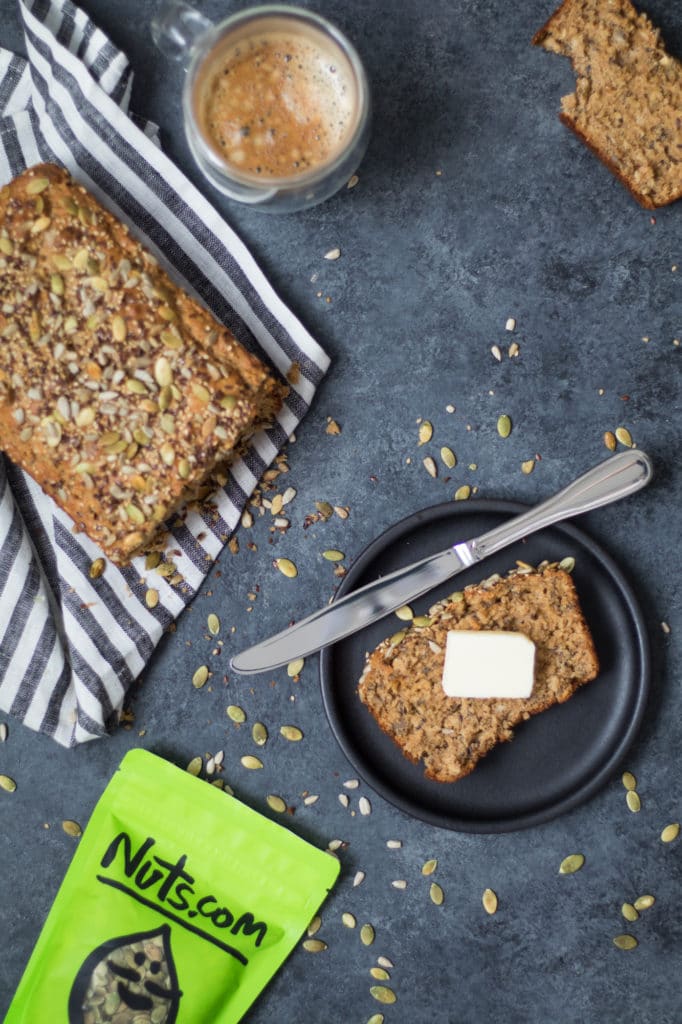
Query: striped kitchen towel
[[70, 646]]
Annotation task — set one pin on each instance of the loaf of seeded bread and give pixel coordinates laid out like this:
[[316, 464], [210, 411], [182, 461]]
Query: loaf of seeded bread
[[402, 680], [627, 106], [119, 393]]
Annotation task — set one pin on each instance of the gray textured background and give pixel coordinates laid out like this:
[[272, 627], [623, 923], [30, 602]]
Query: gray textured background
[[521, 221]]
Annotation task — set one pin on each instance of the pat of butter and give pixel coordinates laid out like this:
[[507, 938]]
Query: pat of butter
[[489, 664]]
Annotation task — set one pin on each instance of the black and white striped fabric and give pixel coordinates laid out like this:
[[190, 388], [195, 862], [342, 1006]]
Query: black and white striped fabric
[[69, 646]]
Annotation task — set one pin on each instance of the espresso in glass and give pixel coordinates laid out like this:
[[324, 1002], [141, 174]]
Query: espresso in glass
[[276, 100]]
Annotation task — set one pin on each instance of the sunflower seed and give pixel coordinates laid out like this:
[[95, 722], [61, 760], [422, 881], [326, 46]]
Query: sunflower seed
[[571, 864], [513, 349], [314, 926], [352, 182], [259, 734], [3, 731], [430, 466], [72, 828], [399, 883], [351, 784], [449, 458], [436, 894], [429, 867], [462, 493], [382, 994], [394, 844], [425, 432], [633, 801], [628, 780], [349, 920], [495, 349], [625, 941], [200, 677], [379, 973], [528, 466], [294, 667], [644, 902], [367, 935], [358, 878], [670, 832], [489, 900], [291, 733], [310, 800], [8, 784], [364, 806], [333, 254], [251, 762], [332, 555], [624, 436], [236, 713], [195, 765], [343, 799], [610, 440], [213, 623], [334, 844], [286, 567], [629, 912], [504, 426], [314, 946], [275, 803]]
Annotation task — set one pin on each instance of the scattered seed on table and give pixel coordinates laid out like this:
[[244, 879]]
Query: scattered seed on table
[[430, 466], [286, 567], [291, 733], [571, 864], [3, 732], [383, 961], [425, 432], [311, 799], [364, 806], [629, 912], [332, 555], [195, 765], [379, 973], [333, 254], [314, 926], [235, 713], [463, 493], [528, 466], [399, 883], [644, 902], [200, 677], [382, 994], [633, 801], [351, 784], [629, 781], [251, 762], [367, 935], [334, 844], [259, 734], [343, 799], [72, 828], [624, 436], [96, 568], [489, 900], [625, 941], [151, 598], [436, 894], [358, 878], [449, 458], [610, 440], [510, 324], [376, 1018], [497, 352], [295, 667], [429, 867], [213, 623], [394, 844], [513, 349], [670, 832], [348, 919], [504, 425], [276, 803], [314, 945]]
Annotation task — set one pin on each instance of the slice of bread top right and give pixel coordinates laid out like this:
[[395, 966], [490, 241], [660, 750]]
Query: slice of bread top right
[[401, 684], [627, 105]]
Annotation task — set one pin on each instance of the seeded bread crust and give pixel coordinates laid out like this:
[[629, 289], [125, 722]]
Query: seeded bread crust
[[627, 106], [119, 394], [401, 684]]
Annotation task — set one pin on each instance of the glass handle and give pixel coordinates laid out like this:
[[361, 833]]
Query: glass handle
[[176, 27]]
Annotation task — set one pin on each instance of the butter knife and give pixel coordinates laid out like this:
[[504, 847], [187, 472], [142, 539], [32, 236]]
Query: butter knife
[[617, 477]]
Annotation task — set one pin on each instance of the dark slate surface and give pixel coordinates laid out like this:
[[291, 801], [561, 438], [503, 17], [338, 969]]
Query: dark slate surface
[[474, 204]]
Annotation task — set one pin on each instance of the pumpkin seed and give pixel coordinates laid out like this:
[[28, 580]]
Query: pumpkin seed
[[195, 766], [429, 867], [644, 902], [610, 440], [670, 832], [625, 941], [425, 432], [8, 784], [275, 803], [236, 713], [489, 900], [405, 613], [504, 426], [259, 734], [628, 780], [200, 676], [382, 994], [367, 935], [421, 621], [291, 733], [624, 436], [462, 493], [349, 920], [567, 564], [314, 946], [430, 466], [251, 762], [213, 623], [436, 894], [286, 567], [528, 466], [325, 509], [571, 864], [396, 638], [97, 568], [629, 912], [6, 246], [633, 801], [379, 973], [314, 926], [295, 667], [72, 828], [37, 185], [151, 598], [449, 458], [333, 556], [376, 1018]]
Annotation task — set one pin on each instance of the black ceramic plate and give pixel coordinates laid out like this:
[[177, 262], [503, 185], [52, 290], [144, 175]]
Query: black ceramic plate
[[557, 759]]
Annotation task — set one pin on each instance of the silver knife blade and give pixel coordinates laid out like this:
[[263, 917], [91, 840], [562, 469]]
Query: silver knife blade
[[609, 481]]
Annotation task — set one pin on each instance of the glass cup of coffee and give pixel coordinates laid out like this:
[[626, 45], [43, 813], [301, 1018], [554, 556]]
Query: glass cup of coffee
[[276, 103]]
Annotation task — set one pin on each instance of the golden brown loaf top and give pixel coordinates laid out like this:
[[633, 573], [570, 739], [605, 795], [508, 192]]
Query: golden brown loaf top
[[627, 106], [119, 393], [402, 680]]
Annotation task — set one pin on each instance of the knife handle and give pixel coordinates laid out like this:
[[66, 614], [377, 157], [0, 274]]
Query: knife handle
[[614, 478]]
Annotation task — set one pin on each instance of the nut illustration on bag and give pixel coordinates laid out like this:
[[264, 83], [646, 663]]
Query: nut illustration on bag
[[127, 980]]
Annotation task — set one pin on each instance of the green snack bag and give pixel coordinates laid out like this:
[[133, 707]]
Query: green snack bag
[[178, 907]]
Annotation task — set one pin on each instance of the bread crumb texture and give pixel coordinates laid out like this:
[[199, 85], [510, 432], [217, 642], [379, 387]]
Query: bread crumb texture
[[627, 106], [119, 394], [402, 681]]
